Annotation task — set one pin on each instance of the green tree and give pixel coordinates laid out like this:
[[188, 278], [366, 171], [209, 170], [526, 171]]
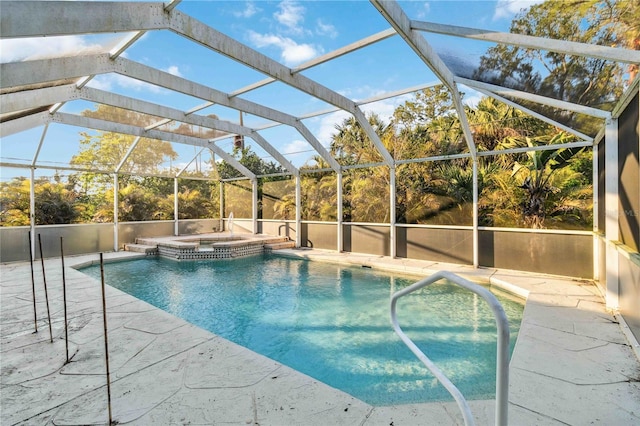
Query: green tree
[[366, 190], [251, 161], [54, 204], [102, 152], [427, 125], [197, 199], [136, 203], [587, 81], [14, 202], [544, 176]]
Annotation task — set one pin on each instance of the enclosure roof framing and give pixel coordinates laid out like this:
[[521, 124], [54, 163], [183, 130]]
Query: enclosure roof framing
[[127, 129], [33, 91], [400, 21], [530, 42]]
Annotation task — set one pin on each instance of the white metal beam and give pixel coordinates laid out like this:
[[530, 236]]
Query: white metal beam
[[108, 126], [532, 42], [381, 97], [27, 99], [145, 107], [124, 159], [25, 73], [169, 81], [37, 153], [184, 169], [612, 214], [195, 30], [394, 14], [367, 41], [536, 115], [21, 124], [555, 103], [36, 71], [55, 18]]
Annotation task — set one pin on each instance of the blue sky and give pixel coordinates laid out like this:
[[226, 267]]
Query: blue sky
[[290, 32]]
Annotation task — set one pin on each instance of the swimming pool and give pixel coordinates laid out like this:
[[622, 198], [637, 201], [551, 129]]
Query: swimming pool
[[330, 322]]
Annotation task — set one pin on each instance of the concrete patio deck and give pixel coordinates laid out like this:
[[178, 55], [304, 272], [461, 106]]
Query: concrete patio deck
[[573, 363]]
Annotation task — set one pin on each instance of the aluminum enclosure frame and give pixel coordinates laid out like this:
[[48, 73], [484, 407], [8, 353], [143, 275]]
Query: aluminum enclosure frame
[[33, 91]]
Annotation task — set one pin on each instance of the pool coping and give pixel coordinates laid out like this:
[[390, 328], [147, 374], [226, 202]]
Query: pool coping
[[572, 363]]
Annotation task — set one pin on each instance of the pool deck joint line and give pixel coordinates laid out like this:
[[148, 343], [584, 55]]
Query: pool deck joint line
[[573, 363]]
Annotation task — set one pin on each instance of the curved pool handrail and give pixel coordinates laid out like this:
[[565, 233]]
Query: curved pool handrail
[[502, 361]]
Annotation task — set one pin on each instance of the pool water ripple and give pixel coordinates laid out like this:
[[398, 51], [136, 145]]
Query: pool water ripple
[[331, 322]]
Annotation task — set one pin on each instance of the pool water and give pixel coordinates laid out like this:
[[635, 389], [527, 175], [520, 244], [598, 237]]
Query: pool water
[[331, 322]]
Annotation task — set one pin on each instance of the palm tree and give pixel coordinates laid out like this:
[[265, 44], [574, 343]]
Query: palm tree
[[538, 172]]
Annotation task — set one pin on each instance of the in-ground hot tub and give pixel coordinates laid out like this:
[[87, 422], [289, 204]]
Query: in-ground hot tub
[[213, 246]]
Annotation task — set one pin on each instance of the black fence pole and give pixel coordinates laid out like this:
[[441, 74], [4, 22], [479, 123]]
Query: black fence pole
[[46, 294], [33, 287], [106, 342], [64, 302]]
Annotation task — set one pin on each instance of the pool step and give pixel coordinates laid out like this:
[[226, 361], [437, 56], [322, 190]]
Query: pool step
[[280, 245], [141, 248]]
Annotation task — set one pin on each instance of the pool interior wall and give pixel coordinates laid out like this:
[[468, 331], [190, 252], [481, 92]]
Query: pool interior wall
[[572, 363]]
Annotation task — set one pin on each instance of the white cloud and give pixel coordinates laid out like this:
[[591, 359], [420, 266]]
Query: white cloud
[[472, 100], [508, 8], [13, 50], [173, 70], [291, 53], [326, 29], [291, 15], [249, 10], [109, 81], [424, 10], [296, 146], [327, 126], [385, 108]]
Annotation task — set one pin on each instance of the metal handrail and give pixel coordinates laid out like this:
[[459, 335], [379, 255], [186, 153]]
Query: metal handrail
[[502, 361]]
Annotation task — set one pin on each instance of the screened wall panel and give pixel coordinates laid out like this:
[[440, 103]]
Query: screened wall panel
[[366, 195], [279, 228], [129, 231], [602, 190], [14, 244], [557, 254], [278, 199], [238, 199], [435, 193], [198, 226], [629, 272], [319, 235], [198, 199], [78, 239], [629, 169], [368, 239], [441, 245], [319, 192]]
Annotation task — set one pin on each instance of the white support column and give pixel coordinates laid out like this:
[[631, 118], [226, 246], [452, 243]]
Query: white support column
[[32, 212], [611, 212], [596, 209], [254, 209], [221, 206], [476, 237], [115, 212], [298, 212], [392, 212], [176, 231], [340, 237]]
